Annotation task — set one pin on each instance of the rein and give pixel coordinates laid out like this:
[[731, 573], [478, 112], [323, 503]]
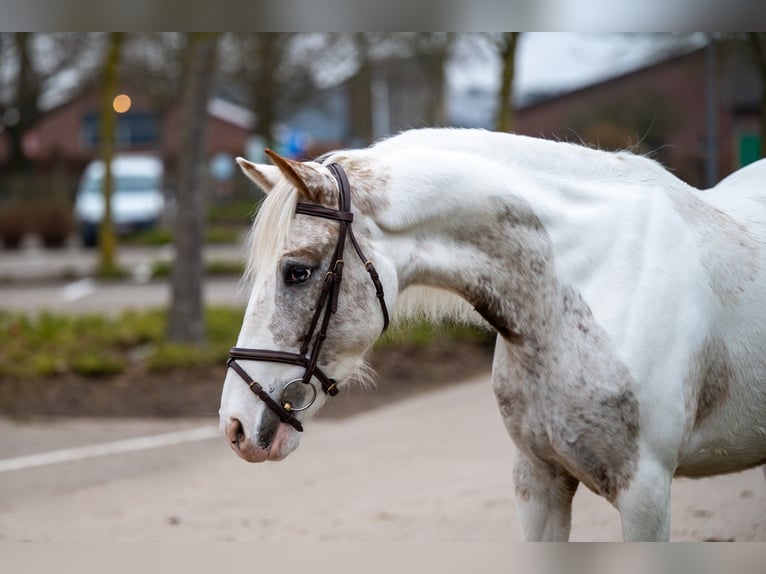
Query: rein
[[326, 307]]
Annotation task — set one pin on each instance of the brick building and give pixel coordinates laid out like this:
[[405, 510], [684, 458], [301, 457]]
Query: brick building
[[66, 137], [662, 109]]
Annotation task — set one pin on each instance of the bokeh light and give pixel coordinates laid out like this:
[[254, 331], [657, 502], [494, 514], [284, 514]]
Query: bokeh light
[[121, 103]]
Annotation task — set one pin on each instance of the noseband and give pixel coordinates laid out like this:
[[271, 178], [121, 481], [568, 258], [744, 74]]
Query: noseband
[[326, 307]]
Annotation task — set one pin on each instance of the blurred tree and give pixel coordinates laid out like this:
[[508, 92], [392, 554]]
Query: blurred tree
[[20, 109], [24, 109], [282, 71], [186, 321], [428, 51], [108, 127], [36, 65], [432, 51], [155, 62], [504, 44], [757, 41], [276, 71], [360, 87], [268, 50], [365, 50]]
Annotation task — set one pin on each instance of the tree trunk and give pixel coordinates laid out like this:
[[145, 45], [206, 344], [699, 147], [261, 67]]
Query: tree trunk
[[507, 51], [432, 50], [361, 104], [25, 102], [108, 128], [269, 52], [186, 321], [436, 110]]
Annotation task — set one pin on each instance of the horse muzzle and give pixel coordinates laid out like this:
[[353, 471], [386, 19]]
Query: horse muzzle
[[247, 447]]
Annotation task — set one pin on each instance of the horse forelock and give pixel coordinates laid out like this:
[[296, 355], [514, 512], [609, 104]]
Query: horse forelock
[[269, 232]]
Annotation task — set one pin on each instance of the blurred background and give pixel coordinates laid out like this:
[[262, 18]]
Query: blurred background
[[122, 216], [123, 219], [694, 101]]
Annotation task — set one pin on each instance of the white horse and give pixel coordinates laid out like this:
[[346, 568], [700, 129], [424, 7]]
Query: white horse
[[630, 307]]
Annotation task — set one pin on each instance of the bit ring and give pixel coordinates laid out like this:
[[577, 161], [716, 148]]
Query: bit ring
[[293, 408]]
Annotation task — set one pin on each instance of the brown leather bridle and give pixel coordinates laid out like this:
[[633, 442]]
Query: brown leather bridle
[[326, 307]]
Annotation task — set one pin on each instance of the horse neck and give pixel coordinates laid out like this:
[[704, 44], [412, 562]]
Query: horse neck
[[510, 235], [464, 225]]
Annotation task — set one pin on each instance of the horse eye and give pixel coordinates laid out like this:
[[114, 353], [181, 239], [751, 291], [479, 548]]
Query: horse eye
[[297, 274]]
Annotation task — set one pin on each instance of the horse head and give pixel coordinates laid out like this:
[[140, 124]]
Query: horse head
[[312, 314]]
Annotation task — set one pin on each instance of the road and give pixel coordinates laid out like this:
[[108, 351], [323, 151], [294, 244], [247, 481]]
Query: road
[[435, 468], [90, 295], [32, 262], [33, 278]]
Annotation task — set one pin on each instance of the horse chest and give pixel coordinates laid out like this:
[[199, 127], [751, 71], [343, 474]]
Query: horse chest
[[574, 410]]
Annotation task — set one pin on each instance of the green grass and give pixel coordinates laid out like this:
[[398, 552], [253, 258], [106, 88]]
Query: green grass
[[422, 333], [47, 344], [52, 344], [216, 267], [238, 211], [150, 237], [113, 271], [96, 364], [224, 234], [214, 235]]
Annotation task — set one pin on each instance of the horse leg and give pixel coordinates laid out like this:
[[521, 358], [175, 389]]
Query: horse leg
[[544, 498], [645, 504]]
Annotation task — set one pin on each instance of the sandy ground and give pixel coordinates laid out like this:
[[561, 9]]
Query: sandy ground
[[434, 468]]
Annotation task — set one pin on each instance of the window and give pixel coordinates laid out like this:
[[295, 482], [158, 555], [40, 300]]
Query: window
[[134, 129]]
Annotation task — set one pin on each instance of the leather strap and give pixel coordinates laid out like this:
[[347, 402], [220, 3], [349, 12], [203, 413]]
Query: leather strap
[[328, 385], [325, 212], [326, 307], [284, 415]]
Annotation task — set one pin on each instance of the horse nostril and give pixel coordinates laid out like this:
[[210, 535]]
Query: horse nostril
[[235, 432]]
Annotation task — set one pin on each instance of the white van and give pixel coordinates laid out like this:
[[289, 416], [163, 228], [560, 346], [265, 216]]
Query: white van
[[138, 201]]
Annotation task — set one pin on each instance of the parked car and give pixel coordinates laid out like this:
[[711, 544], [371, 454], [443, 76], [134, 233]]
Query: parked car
[[138, 198]]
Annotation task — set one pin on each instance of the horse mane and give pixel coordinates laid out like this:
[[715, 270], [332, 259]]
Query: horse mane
[[268, 234], [554, 158]]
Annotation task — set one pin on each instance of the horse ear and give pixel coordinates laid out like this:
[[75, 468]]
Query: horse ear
[[265, 176], [310, 183]]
